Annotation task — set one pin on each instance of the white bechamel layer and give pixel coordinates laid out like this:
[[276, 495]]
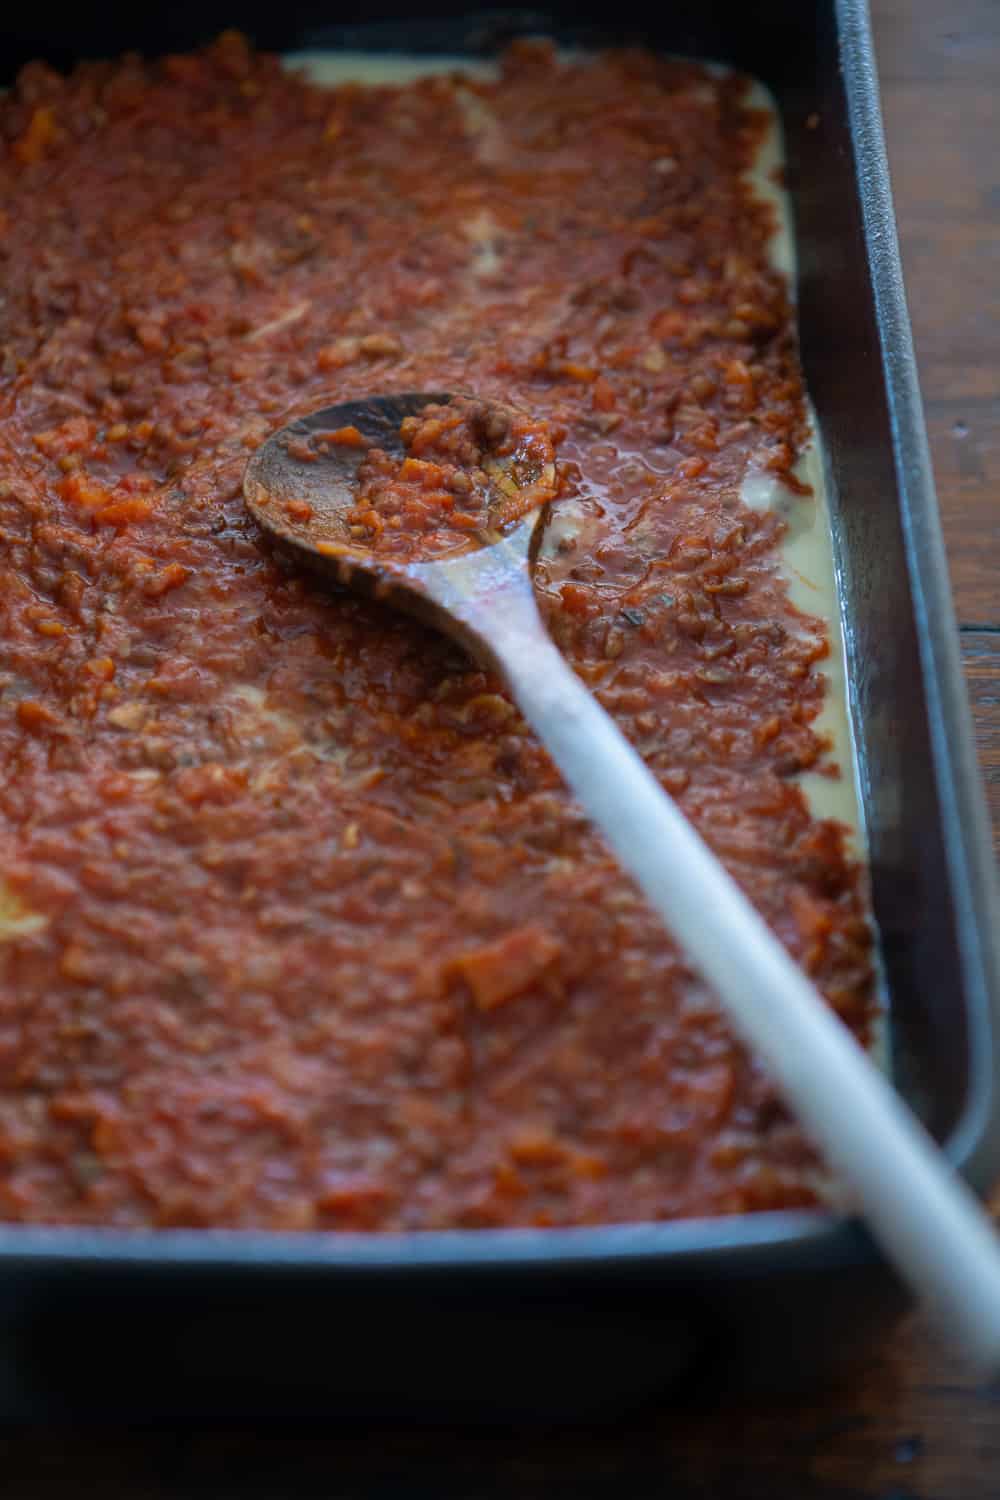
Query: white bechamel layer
[[807, 547]]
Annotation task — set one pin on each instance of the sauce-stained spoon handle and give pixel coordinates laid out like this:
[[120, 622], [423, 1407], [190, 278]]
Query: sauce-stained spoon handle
[[927, 1220]]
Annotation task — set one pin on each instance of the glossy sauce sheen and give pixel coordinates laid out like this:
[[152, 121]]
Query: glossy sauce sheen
[[300, 928]]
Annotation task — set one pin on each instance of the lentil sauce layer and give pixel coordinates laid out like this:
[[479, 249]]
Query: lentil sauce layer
[[300, 928]]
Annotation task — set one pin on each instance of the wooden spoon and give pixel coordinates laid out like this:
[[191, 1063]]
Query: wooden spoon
[[925, 1217]]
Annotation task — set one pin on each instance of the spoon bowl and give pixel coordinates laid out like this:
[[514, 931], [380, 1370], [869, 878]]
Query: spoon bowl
[[301, 485]]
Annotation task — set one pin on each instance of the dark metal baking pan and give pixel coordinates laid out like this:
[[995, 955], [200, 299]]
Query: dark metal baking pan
[[568, 1322]]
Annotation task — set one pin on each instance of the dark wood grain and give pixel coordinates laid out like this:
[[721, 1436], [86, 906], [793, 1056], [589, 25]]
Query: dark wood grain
[[940, 67], [981, 650], [916, 1425]]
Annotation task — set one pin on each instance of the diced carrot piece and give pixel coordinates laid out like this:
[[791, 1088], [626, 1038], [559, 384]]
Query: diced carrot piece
[[576, 600], [298, 510], [123, 512], [603, 396], [534, 1145], [101, 667], [35, 717], [68, 437], [575, 371], [170, 577], [83, 490], [500, 971], [344, 437], [420, 470], [40, 134]]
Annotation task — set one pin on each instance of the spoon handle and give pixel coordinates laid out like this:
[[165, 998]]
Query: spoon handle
[[925, 1217]]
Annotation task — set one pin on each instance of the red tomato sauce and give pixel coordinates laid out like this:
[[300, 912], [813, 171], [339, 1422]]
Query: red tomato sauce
[[300, 928]]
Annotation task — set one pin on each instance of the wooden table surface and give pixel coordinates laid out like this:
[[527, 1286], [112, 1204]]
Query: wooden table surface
[[916, 1425]]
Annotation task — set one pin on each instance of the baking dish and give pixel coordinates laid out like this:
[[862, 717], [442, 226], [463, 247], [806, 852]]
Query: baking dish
[[562, 1322]]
